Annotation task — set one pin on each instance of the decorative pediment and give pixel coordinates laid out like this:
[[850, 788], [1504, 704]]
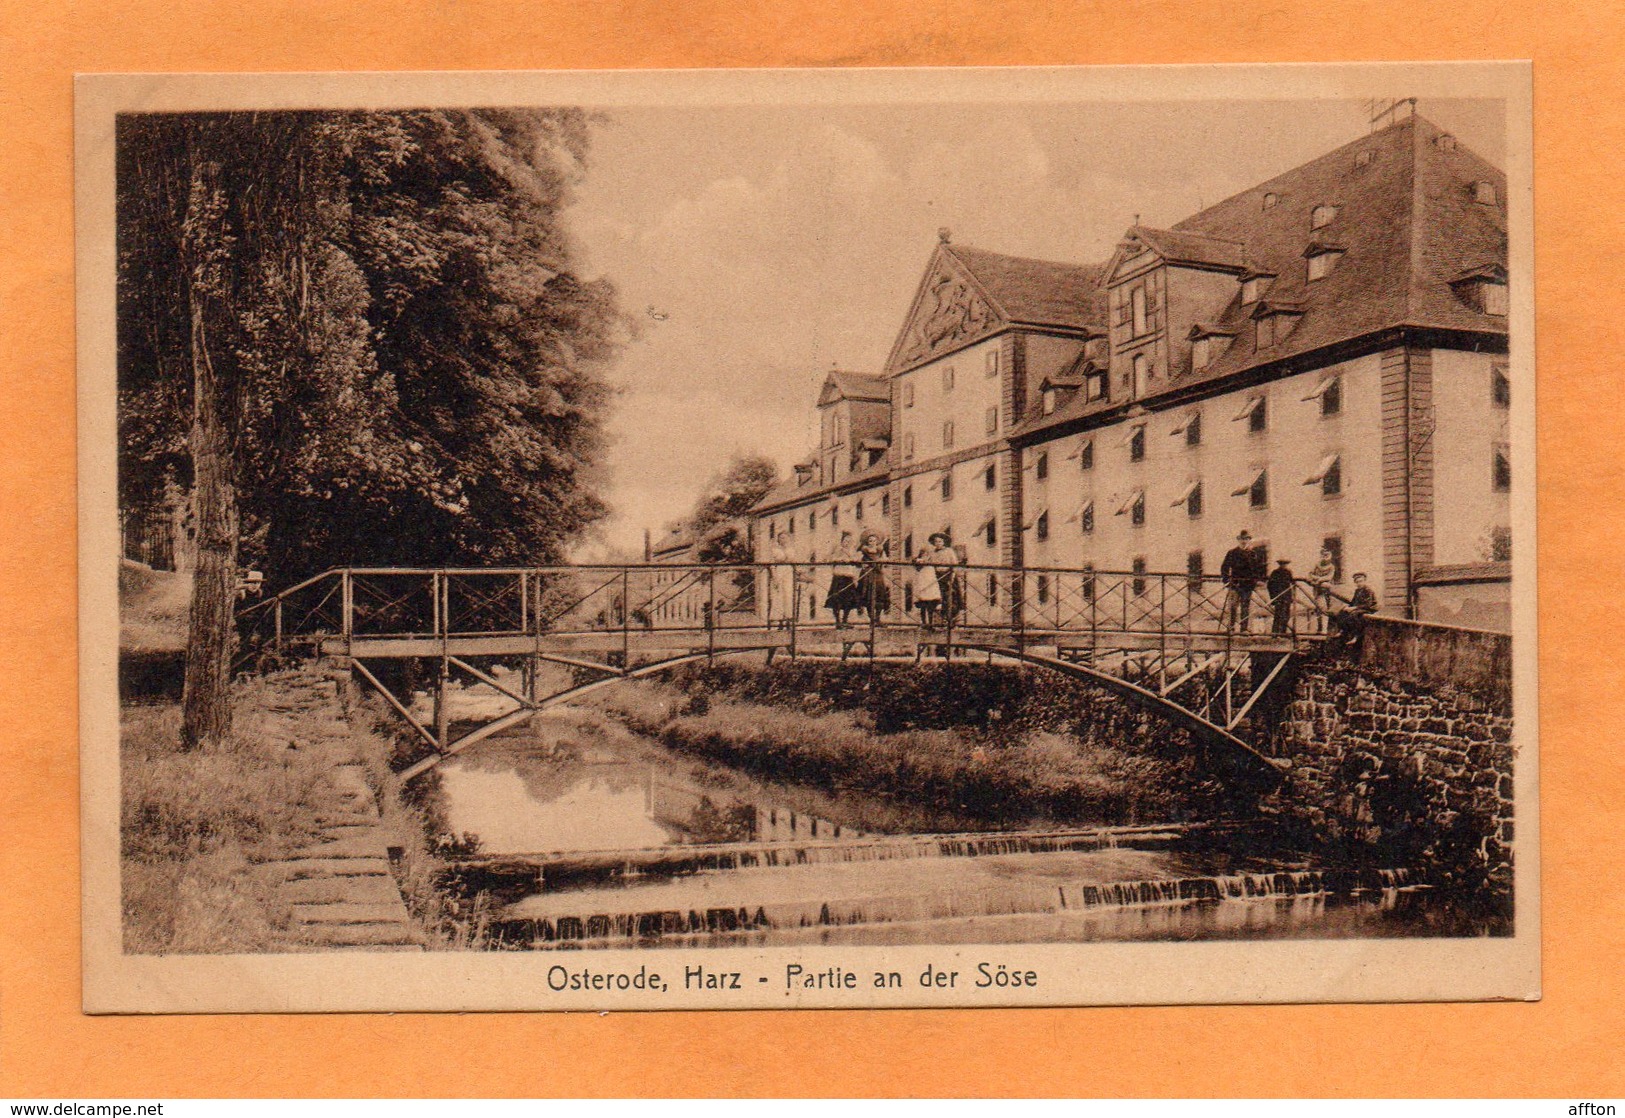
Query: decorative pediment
[[1133, 256], [949, 311]]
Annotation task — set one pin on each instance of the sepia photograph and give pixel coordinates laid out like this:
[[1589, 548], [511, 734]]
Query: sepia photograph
[[807, 539]]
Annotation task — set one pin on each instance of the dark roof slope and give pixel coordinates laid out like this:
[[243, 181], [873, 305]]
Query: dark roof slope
[[1177, 247], [1407, 223], [856, 386], [1037, 292], [789, 492]]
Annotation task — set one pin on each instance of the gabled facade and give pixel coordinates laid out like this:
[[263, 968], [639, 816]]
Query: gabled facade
[[1320, 360]]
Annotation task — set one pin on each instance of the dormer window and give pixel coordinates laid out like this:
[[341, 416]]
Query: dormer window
[[1048, 399], [1321, 216], [1483, 289], [1201, 353], [908, 394], [1254, 286], [1446, 142], [1322, 259], [1485, 194], [1095, 386], [1206, 346], [1364, 158], [1271, 199]]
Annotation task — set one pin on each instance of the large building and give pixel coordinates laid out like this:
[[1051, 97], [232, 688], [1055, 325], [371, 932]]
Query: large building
[[1320, 360]]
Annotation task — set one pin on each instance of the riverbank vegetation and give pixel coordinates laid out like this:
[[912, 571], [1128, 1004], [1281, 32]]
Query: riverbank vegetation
[[986, 745]]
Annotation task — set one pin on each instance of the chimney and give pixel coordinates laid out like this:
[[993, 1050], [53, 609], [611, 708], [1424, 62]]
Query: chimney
[[648, 546]]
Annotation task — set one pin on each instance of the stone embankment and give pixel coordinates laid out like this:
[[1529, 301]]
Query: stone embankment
[[1408, 752], [338, 888]]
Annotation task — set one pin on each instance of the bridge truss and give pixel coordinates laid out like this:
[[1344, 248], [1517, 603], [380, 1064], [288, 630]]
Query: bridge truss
[[1173, 643]]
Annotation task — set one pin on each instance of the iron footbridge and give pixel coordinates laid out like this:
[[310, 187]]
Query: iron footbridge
[[1190, 648]]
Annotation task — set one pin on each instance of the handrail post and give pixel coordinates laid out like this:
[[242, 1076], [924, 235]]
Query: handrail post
[[711, 613], [795, 604], [434, 602], [347, 599], [626, 618], [1162, 633], [524, 602], [276, 612]]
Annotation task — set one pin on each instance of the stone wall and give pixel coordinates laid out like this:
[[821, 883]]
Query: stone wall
[[1394, 761]]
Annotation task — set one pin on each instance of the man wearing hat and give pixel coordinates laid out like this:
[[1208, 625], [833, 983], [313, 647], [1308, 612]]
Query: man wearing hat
[[1279, 588], [1240, 574]]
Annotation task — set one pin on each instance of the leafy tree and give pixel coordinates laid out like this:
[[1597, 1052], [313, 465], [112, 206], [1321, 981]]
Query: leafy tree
[[718, 517], [356, 337]]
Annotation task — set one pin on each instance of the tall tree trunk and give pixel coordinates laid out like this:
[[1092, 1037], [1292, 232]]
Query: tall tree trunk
[[206, 698]]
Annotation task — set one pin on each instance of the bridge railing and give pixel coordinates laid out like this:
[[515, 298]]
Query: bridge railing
[[1034, 604]]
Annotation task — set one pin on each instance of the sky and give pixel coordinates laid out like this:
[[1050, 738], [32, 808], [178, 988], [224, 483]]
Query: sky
[[759, 246]]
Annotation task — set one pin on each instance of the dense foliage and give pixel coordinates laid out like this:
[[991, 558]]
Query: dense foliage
[[407, 367], [718, 520]]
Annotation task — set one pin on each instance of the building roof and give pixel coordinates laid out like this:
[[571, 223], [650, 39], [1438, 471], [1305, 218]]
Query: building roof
[[1407, 223], [841, 385], [788, 494], [1037, 292], [1183, 247]]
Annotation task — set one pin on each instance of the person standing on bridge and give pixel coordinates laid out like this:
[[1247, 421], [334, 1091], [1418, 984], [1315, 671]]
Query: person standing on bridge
[[872, 589], [927, 586], [842, 598], [945, 560], [1241, 574], [1279, 586], [781, 585], [1321, 577]]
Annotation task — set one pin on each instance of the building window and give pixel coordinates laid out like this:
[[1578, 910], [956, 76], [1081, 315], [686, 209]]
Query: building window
[[812, 521], [908, 394], [908, 553], [992, 362], [1088, 582], [1086, 455], [835, 516], [1201, 354], [1191, 498], [1321, 216], [1136, 511], [1502, 475], [1259, 420], [1095, 387], [1041, 526], [885, 503], [1363, 159], [1494, 297], [857, 509], [1270, 200], [1446, 142], [990, 478], [948, 435], [1328, 475], [1136, 444], [1191, 428], [992, 421], [1321, 264], [1047, 401], [1500, 386], [1142, 376], [1257, 490], [1086, 518], [1140, 581], [1194, 572], [948, 378], [1334, 546], [1252, 288], [790, 525], [1137, 315], [947, 486], [1043, 589], [908, 496], [992, 531], [908, 446], [1041, 465], [1331, 398], [1501, 544], [1485, 194]]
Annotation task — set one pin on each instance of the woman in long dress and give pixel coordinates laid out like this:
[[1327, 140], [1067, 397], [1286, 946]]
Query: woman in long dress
[[872, 589], [781, 586], [945, 561], [842, 598], [928, 584]]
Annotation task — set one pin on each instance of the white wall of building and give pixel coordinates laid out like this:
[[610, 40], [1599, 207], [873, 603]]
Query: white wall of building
[[1294, 522], [977, 381], [1469, 425]]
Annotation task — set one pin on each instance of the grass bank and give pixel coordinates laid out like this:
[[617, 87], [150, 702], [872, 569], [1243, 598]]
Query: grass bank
[[203, 830], [983, 745]]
